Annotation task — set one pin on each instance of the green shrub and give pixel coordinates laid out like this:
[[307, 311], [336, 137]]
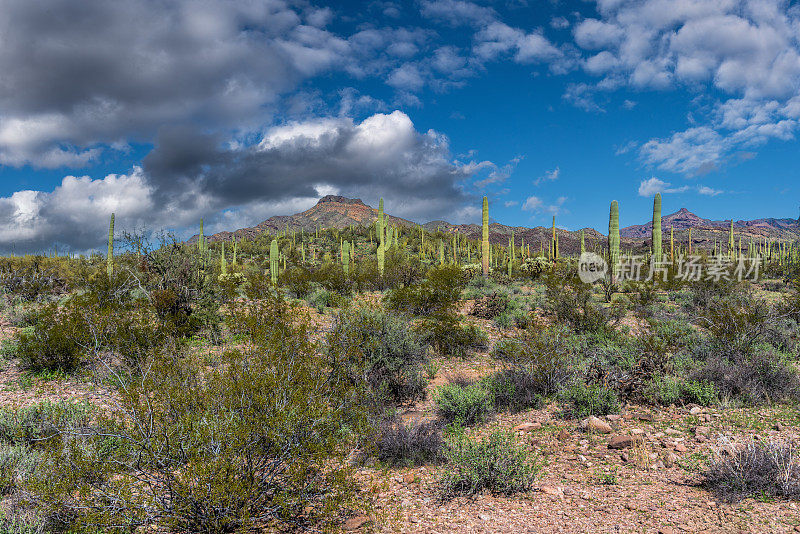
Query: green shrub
[[515, 390], [490, 306], [463, 405], [17, 462], [546, 357], [450, 338], [497, 463], [381, 347], [581, 400], [319, 299], [437, 295], [675, 390], [30, 425], [215, 441], [56, 342]]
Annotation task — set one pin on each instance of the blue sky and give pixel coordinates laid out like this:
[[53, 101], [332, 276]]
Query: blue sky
[[239, 110]]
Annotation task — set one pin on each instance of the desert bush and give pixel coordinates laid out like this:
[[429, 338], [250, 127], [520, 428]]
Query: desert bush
[[569, 301], [676, 390], [383, 348], [514, 390], [762, 376], [56, 342], [756, 469], [261, 438], [17, 462], [415, 443], [331, 277], [30, 425], [546, 357], [463, 405], [319, 299], [580, 400], [490, 306], [497, 463], [536, 266], [298, 280], [449, 337], [20, 522], [436, 296]]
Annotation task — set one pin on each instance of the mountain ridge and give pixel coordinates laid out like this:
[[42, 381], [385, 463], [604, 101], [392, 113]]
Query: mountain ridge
[[335, 211]]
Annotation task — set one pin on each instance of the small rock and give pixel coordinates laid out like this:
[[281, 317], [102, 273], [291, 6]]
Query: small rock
[[701, 430], [595, 424], [645, 416], [355, 523], [680, 447], [778, 427], [672, 431], [528, 427], [658, 465], [620, 442], [484, 517], [562, 435], [552, 490], [613, 417], [670, 459], [666, 530], [696, 410], [637, 431], [410, 478], [624, 456]]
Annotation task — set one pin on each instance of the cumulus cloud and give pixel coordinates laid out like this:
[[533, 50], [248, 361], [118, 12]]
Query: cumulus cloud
[[537, 205], [705, 190], [192, 174], [549, 176], [651, 186], [746, 50]]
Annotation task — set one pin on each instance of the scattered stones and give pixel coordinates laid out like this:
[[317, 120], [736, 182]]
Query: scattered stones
[[701, 431], [620, 442], [595, 424], [528, 427], [552, 490], [696, 410]]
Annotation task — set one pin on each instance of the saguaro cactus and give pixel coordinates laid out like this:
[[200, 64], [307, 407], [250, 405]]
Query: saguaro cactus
[[381, 238], [485, 238], [657, 228], [273, 261], [110, 255], [731, 243], [346, 257], [223, 265], [201, 241], [613, 239]]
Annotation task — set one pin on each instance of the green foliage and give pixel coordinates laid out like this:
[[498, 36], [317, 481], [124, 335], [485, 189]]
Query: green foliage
[[437, 295], [380, 347], [497, 463], [580, 400], [514, 389], [463, 405], [213, 442], [675, 390], [449, 337]]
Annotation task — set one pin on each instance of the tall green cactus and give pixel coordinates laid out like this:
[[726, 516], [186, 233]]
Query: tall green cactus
[[201, 241], [657, 228], [110, 255], [672, 244], [381, 238], [613, 239], [485, 237], [441, 252], [583, 242], [273, 261], [731, 243], [223, 265], [346, 257]]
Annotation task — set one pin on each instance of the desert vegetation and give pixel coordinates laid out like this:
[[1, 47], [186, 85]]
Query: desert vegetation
[[370, 377]]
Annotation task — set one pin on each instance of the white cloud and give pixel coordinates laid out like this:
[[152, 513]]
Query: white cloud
[[549, 176], [537, 205], [705, 190], [651, 186]]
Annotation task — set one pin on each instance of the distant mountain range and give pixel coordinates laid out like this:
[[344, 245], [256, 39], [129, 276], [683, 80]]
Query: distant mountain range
[[334, 211]]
